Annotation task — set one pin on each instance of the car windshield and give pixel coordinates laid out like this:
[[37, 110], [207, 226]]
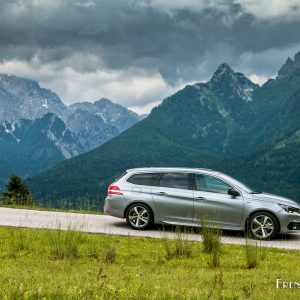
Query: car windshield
[[237, 183]]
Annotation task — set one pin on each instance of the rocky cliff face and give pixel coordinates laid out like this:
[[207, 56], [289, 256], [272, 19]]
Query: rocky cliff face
[[23, 98], [91, 124], [291, 67]]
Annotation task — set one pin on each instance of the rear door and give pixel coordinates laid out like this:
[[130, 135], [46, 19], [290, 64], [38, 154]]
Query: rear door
[[173, 197], [213, 203]]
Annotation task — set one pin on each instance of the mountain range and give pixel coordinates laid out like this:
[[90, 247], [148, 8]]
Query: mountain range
[[37, 130], [229, 124]]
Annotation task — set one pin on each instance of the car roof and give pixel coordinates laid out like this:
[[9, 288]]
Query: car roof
[[173, 169]]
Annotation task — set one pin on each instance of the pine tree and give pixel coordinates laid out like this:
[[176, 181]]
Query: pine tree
[[17, 192]]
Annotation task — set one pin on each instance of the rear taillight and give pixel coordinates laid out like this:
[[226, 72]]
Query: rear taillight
[[114, 190]]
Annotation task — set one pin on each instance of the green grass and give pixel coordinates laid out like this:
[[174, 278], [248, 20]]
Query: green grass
[[179, 247], [110, 267], [79, 211], [254, 253]]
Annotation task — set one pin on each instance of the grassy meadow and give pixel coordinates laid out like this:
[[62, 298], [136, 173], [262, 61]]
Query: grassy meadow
[[49, 208], [53, 264]]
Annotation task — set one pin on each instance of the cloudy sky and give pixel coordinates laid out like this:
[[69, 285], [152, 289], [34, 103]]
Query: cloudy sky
[[136, 52]]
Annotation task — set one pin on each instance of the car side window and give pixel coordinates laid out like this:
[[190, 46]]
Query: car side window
[[144, 178], [175, 180], [211, 184]]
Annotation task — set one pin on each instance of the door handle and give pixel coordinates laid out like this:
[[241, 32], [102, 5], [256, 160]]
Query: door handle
[[162, 194], [200, 198]]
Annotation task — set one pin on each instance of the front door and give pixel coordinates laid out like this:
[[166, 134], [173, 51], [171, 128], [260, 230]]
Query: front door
[[174, 198], [214, 205]]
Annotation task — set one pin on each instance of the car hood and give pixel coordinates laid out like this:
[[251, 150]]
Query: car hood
[[275, 198]]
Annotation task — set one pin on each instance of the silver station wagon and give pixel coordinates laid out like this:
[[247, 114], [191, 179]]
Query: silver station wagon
[[184, 196]]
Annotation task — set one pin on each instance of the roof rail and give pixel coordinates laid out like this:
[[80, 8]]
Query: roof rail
[[140, 168]]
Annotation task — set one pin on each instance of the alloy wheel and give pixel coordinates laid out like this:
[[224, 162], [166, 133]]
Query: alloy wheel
[[138, 217], [262, 227]]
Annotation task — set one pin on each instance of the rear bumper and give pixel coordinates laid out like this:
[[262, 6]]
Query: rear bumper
[[114, 206]]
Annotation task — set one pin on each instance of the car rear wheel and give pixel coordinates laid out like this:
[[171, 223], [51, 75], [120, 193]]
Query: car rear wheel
[[262, 226], [139, 216]]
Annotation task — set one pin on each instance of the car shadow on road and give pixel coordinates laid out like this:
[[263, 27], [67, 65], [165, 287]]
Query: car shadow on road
[[195, 230], [229, 233]]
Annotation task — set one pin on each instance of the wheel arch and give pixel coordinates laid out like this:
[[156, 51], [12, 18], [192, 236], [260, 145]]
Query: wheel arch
[[259, 211], [138, 202]]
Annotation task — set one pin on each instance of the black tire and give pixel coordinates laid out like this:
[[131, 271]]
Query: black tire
[[139, 216], [262, 226]]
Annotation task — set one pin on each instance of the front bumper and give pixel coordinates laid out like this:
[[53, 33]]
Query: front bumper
[[289, 222], [294, 226]]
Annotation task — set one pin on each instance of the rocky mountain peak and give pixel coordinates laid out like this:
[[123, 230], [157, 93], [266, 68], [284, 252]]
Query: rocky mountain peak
[[104, 101], [229, 84], [71, 130], [289, 62], [10, 82], [24, 98], [290, 68], [223, 70], [297, 59]]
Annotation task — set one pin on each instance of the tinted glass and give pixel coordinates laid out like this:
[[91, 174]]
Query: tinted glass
[[211, 184], [119, 177], [175, 180], [143, 178], [238, 183]]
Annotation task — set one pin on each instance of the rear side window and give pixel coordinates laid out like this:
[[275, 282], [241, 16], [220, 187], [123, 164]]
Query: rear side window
[[176, 180], [143, 178]]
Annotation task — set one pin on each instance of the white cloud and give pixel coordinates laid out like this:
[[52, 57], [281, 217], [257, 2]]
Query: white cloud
[[265, 64], [85, 4], [197, 5], [146, 109], [258, 79], [272, 10], [132, 88]]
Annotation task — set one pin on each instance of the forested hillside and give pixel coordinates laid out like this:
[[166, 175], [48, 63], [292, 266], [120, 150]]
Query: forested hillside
[[228, 123]]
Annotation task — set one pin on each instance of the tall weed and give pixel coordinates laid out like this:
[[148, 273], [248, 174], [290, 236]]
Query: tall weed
[[211, 239], [64, 243], [217, 289], [110, 254], [179, 247], [251, 253], [19, 240], [93, 247]]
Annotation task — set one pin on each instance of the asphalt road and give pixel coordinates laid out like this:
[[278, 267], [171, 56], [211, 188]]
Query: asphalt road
[[102, 224]]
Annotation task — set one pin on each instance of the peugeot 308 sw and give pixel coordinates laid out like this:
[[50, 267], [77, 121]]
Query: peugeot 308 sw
[[182, 196]]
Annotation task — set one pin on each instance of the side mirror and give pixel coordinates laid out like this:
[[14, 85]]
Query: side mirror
[[233, 192]]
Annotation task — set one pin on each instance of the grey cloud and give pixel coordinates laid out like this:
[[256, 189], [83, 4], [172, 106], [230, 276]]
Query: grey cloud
[[181, 42], [85, 4]]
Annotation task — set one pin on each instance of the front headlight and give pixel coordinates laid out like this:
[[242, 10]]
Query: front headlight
[[290, 209]]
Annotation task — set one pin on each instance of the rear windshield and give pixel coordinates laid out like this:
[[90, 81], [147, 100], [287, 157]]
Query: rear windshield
[[143, 178], [119, 177]]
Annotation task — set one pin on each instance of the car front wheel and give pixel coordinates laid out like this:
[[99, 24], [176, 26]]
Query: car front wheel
[[139, 216], [262, 226]]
